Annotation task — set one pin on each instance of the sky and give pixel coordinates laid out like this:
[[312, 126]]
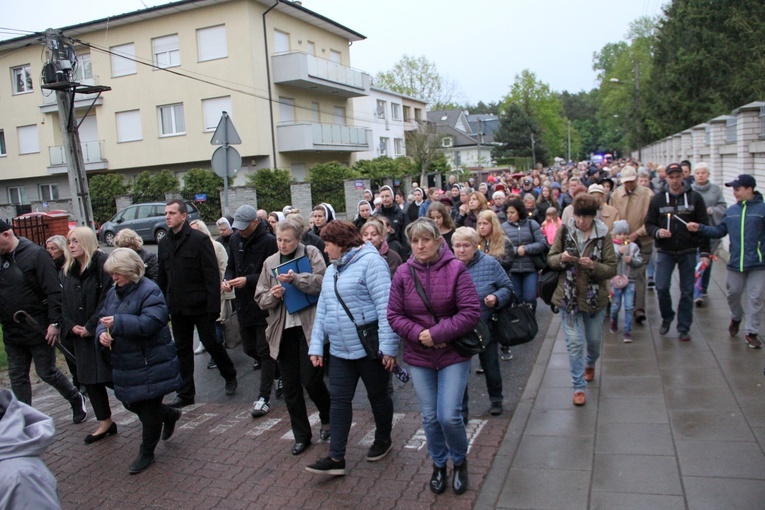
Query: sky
[[481, 45]]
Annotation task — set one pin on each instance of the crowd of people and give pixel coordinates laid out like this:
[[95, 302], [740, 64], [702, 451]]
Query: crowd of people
[[321, 297]]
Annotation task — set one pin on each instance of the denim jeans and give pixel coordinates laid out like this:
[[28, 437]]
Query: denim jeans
[[19, 360], [525, 286], [686, 266], [490, 364], [344, 375], [626, 296], [440, 393], [705, 277], [581, 328]]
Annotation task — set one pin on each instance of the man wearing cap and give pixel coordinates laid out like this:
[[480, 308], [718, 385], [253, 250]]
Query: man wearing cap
[[744, 222], [528, 188], [28, 282], [606, 213], [249, 247], [632, 202], [189, 278], [667, 222]]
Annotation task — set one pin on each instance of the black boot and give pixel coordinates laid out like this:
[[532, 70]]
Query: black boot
[[460, 481], [169, 423], [438, 479], [141, 463]]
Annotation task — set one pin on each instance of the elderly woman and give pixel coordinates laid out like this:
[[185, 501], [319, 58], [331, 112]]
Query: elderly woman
[[493, 241], [584, 255], [469, 211], [528, 240], [439, 213], [133, 327], [288, 333], [363, 213], [85, 284], [128, 238], [439, 372], [354, 293], [56, 246], [375, 232], [494, 291]]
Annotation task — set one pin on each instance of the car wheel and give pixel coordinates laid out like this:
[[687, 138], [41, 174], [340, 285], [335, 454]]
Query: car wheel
[[159, 234], [109, 238]]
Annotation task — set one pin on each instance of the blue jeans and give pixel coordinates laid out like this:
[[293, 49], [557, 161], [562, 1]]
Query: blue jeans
[[525, 286], [490, 364], [344, 376], [626, 296], [440, 393], [651, 267], [705, 276], [581, 328], [686, 266]]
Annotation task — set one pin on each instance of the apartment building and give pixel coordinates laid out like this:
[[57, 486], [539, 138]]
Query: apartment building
[[281, 71]]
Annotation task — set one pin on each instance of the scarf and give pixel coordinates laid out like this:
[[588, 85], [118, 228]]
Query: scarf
[[570, 302]]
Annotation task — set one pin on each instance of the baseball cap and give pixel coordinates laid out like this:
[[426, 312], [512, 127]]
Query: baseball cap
[[243, 216], [596, 188], [674, 167], [4, 225], [629, 174], [743, 180]]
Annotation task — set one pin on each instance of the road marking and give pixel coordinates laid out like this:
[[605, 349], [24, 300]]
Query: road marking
[[472, 429], [313, 420], [370, 437], [264, 426], [198, 421], [236, 420]]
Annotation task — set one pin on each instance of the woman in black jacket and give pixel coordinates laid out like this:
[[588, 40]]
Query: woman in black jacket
[[85, 285], [133, 327]]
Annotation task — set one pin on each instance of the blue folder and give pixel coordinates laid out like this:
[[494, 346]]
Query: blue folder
[[294, 298]]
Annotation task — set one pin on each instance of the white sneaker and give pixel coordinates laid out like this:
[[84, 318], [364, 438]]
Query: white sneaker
[[261, 408], [200, 349]]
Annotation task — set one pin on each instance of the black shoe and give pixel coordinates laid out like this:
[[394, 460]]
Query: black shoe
[[664, 329], [640, 317], [324, 435], [141, 463], [211, 365], [378, 450], [300, 447], [438, 479], [181, 402], [92, 438], [327, 466], [79, 411], [460, 480], [279, 388], [256, 365], [231, 386], [495, 409], [733, 327], [169, 425]]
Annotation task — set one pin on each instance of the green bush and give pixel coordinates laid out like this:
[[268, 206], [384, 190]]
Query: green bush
[[103, 190], [3, 356], [273, 188], [152, 186], [327, 183], [197, 181], [382, 169]]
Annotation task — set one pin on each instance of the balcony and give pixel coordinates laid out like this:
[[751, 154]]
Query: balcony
[[319, 75], [312, 136], [49, 104], [91, 154]]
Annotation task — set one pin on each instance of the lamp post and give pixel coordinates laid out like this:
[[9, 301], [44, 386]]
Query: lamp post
[[636, 85]]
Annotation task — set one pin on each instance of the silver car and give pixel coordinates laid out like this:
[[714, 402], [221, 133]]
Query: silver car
[[147, 220]]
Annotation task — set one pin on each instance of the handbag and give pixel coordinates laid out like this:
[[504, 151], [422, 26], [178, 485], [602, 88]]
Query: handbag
[[540, 259], [232, 336], [467, 345], [514, 324], [620, 281], [368, 333]]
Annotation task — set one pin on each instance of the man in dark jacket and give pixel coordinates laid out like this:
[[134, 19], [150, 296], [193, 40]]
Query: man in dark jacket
[[249, 247], [190, 281], [669, 214], [28, 281], [393, 212]]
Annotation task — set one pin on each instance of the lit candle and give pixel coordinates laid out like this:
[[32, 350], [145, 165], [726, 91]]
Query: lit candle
[[669, 217]]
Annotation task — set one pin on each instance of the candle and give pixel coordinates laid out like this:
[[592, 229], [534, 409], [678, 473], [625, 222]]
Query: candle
[[669, 217], [678, 218]]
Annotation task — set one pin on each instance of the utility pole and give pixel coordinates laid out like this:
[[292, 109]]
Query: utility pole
[[568, 152], [533, 153], [637, 111], [57, 75]]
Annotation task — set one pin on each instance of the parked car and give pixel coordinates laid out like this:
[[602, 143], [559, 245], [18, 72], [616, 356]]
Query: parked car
[[147, 220]]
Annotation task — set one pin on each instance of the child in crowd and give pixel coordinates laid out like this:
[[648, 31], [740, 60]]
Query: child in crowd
[[551, 224], [623, 284]]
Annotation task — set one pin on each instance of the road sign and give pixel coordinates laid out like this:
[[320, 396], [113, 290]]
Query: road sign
[[225, 133], [200, 197], [223, 157]]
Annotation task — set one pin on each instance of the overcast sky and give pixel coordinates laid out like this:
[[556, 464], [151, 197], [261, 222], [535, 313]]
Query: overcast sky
[[479, 44]]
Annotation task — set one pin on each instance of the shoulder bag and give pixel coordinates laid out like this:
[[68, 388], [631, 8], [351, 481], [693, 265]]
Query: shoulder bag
[[368, 333], [467, 345]]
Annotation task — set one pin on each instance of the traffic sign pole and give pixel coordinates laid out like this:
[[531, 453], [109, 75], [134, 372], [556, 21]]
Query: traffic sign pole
[[226, 161]]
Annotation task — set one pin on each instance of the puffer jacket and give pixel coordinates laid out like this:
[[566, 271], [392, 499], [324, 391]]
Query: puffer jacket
[[143, 356], [528, 233], [364, 283], [603, 272], [489, 278], [745, 223], [452, 296]]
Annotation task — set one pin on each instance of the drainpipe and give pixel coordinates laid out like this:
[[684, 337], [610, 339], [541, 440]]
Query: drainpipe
[[268, 83]]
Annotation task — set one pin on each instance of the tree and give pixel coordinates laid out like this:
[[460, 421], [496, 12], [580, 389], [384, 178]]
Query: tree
[[384, 168], [103, 190], [514, 136], [418, 77], [273, 188], [422, 145], [201, 181], [326, 183], [492, 107], [152, 186]]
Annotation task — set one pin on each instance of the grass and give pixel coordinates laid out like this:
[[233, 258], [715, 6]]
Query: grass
[[3, 356]]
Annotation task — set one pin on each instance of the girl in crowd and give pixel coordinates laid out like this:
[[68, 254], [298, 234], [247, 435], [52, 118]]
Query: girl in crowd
[[274, 218], [127, 238], [469, 210], [363, 213], [544, 202], [439, 213], [322, 215], [493, 241], [374, 231], [528, 240], [551, 224], [413, 211]]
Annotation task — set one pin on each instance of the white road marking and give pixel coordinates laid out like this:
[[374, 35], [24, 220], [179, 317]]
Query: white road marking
[[370, 437], [198, 421], [264, 426], [313, 420], [472, 429]]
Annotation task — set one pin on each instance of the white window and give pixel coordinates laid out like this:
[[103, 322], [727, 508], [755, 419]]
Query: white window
[[171, 120], [398, 146], [29, 143], [166, 51], [22, 79], [311, 48], [447, 142], [123, 60], [380, 110], [281, 41], [335, 56], [211, 43], [315, 111], [2, 143], [395, 111], [339, 115], [384, 142], [48, 192], [286, 109], [17, 195], [212, 109], [129, 126], [84, 69]]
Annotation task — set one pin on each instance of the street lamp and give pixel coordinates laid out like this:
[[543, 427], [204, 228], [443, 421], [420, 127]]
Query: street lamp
[[636, 85]]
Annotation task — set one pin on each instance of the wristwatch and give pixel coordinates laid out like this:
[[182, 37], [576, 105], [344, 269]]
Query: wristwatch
[[56, 325]]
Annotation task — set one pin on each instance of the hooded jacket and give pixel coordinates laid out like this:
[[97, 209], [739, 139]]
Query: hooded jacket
[[688, 206], [745, 223], [25, 433], [453, 297]]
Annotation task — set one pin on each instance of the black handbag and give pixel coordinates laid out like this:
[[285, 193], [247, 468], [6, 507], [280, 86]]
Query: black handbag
[[514, 324], [540, 259], [368, 333], [467, 345]]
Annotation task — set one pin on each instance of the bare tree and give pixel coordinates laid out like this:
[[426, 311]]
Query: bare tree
[[422, 145], [418, 77]]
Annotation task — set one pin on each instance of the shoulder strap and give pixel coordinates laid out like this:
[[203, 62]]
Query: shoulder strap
[[421, 293], [345, 307]]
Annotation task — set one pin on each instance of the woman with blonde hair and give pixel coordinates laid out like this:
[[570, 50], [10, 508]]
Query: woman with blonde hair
[[85, 284], [375, 232], [127, 238], [492, 239]]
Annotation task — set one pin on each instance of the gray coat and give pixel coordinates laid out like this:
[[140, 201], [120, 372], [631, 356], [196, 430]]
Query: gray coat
[[526, 233]]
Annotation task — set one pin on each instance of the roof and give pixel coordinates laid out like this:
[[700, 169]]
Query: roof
[[445, 117], [285, 6], [460, 139], [399, 94]]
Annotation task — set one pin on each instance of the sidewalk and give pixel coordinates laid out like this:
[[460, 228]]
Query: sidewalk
[[667, 424]]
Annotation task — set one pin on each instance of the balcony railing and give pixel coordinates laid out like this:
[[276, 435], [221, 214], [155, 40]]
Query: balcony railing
[[313, 136], [313, 73], [91, 153]]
